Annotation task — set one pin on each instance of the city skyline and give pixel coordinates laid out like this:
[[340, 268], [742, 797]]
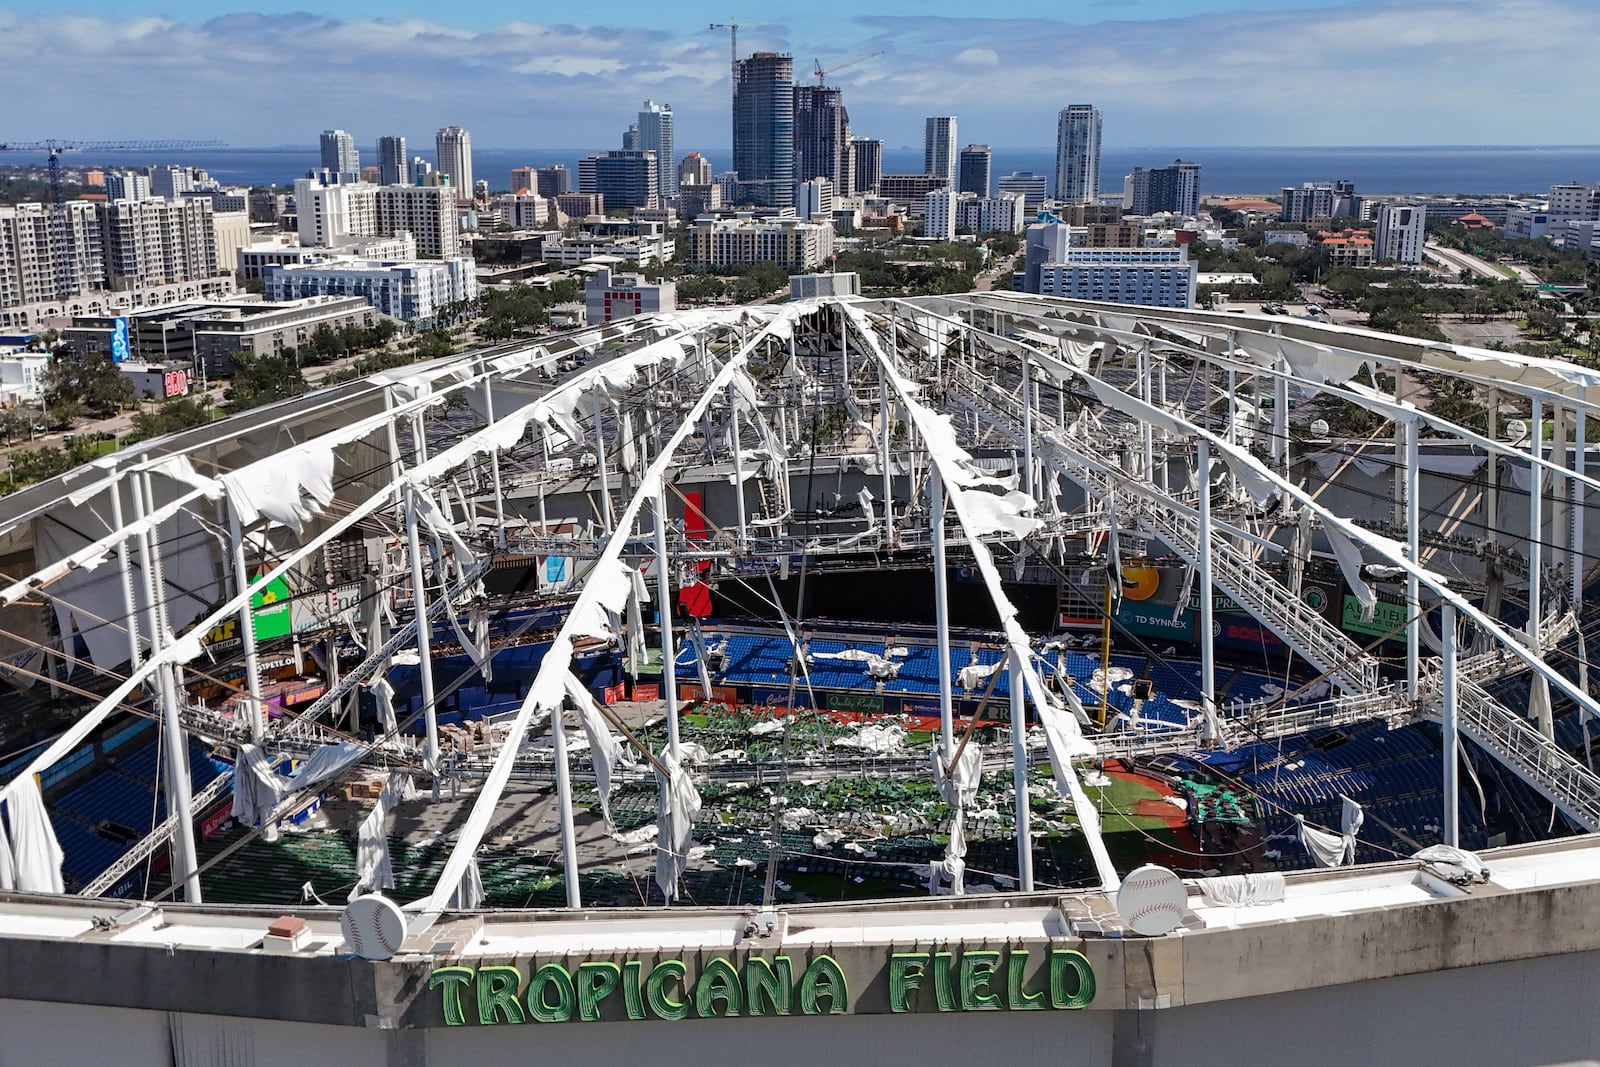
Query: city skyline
[[1216, 78]]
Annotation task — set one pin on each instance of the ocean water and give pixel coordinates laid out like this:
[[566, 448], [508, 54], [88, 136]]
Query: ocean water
[[1473, 170]]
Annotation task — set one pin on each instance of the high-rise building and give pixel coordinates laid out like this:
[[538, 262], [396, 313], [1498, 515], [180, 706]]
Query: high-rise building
[[822, 137], [410, 292], [910, 188], [1312, 200], [813, 197], [34, 266], [523, 179], [339, 155], [867, 164], [625, 178], [792, 244], [1175, 189], [694, 169], [554, 180], [1159, 277], [392, 160], [170, 180], [158, 241], [331, 214], [695, 199], [420, 170], [453, 151], [1401, 231], [939, 214], [939, 147], [763, 129], [630, 138], [1156, 277], [1033, 187], [1078, 153], [1573, 201], [974, 170], [127, 185], [655, 135], [990, 214]]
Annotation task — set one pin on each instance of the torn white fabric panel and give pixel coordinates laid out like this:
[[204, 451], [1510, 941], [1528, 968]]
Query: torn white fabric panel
[[630, 451], [1349, 557], [864, 498], [610, 582], [1313, 362], [257, 788], [290, 488], [1522, 477], [468, 895], [1242, 890], [605, 748], [975, 674], [1451, 466], [180, 470], [383, 694], [676, 810], [324, 763], [1328, 462], [35, 853], [960, 787], [1350, 819], [1539, 705], [374, 870], [84, 599], [1325, 849], [1250, 472], [992, 513]]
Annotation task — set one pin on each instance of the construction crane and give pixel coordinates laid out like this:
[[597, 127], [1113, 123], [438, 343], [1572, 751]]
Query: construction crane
[[60, 240], [733, 44], [816, 66]]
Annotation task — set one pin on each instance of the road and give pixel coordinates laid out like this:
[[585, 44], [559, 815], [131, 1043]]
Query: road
[[1459, 261]]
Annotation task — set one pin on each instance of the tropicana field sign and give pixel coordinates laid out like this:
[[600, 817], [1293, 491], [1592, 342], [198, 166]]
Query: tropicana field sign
[[1013, 979]]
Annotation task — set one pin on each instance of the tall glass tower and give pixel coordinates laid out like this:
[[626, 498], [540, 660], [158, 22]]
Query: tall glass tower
[[339, 155], [453, 155], [822, 137], [655, 135], [392, 160], [763, 129], [1078, 153], [939, 148]]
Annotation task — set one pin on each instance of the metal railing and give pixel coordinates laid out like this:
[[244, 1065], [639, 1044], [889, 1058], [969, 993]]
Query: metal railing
[[155, 839], [1529, 754], [1301, 627]]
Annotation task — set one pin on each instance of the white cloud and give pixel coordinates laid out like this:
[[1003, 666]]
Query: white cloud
[[1426, 72], [978, 57]]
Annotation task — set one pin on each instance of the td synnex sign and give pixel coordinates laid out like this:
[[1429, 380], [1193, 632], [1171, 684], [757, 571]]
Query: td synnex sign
[[1014, 979]]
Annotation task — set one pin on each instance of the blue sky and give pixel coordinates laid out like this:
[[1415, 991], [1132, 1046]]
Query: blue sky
[[1163, 72]]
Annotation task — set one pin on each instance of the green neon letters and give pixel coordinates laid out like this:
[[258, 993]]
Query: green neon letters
[[971, 980]]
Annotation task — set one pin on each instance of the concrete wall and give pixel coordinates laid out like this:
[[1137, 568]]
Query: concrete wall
[[1525, 1013]]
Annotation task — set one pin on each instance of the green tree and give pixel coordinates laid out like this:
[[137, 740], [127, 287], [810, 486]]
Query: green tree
[[262, 379], [171, 417], [93, 383], [36, 464], [433, 344], [18, 422]]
